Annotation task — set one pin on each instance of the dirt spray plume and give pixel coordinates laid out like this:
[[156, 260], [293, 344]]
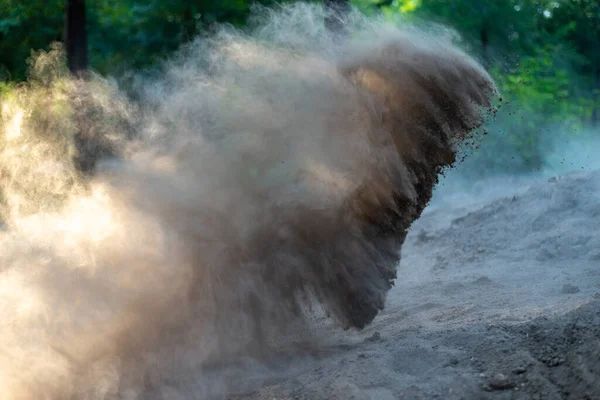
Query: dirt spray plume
[[261, 174]]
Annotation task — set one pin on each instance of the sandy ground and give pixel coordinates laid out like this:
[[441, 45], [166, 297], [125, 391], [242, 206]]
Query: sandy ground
[[497, 298]]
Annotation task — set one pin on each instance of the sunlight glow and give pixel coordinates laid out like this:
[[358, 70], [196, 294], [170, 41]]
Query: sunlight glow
[[15, 121]]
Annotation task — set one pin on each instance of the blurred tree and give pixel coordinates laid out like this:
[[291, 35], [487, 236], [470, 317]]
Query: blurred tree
[[130, 34], [76, 37], [545, 54], [577, 24], [494, 28], [122, 34], [27, 25]]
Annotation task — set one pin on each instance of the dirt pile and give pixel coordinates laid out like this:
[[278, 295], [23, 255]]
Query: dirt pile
[[481, 311], [548, 358]]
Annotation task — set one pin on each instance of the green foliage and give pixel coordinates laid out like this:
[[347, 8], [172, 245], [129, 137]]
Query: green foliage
[[122, 34], [389, 8], [542, 86], [132, 34], [5, 89], [26, 25], [544, 54]]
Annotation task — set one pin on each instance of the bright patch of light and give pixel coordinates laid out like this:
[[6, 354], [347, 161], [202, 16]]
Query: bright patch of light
[[15, 121]]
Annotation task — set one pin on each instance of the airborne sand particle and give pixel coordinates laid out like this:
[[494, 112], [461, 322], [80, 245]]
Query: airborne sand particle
[[263, 174]]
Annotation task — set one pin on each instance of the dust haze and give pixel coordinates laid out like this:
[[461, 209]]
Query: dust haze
[[263, 178]]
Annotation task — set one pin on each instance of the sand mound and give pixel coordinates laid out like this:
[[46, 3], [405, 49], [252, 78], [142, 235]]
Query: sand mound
[[485, 308]]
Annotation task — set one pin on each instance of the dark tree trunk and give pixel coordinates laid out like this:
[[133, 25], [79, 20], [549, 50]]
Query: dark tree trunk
[[189, 24], [485, 41], [338, 10], [88, 149], [76, 37]]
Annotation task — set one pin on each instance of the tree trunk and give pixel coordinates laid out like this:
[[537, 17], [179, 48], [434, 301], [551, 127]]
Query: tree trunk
[[485, 41], [76, 37], [87, 146], [338, 9], [189, 24]]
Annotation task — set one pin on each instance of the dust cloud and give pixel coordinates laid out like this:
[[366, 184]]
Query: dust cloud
[[262, 178]]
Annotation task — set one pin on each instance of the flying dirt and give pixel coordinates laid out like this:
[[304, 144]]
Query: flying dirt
[[261, 178]]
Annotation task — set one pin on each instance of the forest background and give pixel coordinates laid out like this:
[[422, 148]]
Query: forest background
[[544, 55]]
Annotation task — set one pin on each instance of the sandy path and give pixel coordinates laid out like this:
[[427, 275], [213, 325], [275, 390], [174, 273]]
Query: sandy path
[[497, 299]]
